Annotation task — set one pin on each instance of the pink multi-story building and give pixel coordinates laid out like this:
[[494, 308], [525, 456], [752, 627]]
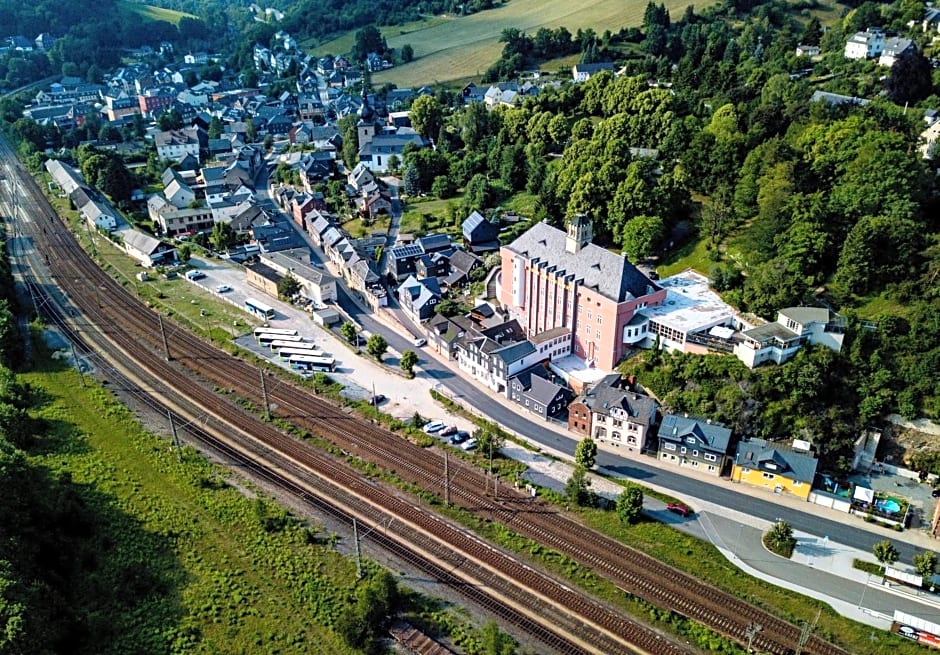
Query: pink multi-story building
[[551, 279]]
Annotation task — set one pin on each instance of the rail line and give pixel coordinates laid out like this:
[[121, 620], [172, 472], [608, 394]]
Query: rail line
[[631, 570]]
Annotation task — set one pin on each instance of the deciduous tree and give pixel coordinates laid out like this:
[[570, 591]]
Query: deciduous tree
[[630, 504], [376, 346], [885, 552], [585, 454], [407, 362]]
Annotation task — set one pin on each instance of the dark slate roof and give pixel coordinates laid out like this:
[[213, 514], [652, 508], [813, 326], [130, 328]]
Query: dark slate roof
[[515, 352], [610, 392], [477, 229], [538, 384], [711, 435], [764, 456], [434, 242], [608, 273]]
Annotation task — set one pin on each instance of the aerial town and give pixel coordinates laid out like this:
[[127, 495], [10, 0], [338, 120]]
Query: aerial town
[[668, 341]]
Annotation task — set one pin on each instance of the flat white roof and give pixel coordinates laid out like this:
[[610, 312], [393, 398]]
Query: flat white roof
[[572, 366], [690, 305]]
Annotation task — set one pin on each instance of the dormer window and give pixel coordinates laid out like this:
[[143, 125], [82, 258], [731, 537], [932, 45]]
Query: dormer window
[[690, 439]]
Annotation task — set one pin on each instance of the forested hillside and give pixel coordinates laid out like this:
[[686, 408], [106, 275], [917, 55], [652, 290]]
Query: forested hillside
[[89, 37]]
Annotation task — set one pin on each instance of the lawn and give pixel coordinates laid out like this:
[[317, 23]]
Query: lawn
[[693, 254], [357, 229], [456, 48], [213, 570], [197, 309], [422, 216], [150, 12]]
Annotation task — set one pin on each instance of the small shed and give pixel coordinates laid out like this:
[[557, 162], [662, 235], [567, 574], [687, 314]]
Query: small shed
[[325, 317]]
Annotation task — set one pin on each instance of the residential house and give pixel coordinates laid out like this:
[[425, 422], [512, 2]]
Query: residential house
[[176, 191], [317, 225], [795, 326], [314, 282], [495, 354], [479, 235], [865, 45], [418, 298], [374, 204], [434, 265], [584, 72], [775, 467], [401, 261], [894, 48], [803, 50], [443, 333], [462, 263], [146, 249], [173, 144], [540, 391], [173, 221], [701, 444], [613, 414]]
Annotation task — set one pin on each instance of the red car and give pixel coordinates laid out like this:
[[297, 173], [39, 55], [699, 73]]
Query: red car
[[679, 508]]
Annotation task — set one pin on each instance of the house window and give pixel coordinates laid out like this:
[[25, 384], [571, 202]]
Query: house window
[[602, 432], [690, 440], [617, 423], [745, 471], [711, 458], [797, 483], [587, 330], [615, 436], [589, 315], [769, 476], [694, 453], [682, 450], [599, 321]]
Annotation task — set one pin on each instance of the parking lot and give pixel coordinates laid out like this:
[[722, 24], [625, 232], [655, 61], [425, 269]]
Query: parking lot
[[361, 376]]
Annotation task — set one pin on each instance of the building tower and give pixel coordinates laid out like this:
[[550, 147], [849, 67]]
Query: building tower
[[580, 233], [366, 125]]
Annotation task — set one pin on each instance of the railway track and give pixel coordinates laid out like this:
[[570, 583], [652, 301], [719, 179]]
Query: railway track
[[631, 570]]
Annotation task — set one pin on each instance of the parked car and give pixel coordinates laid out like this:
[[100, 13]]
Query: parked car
[[470, 444], [449, 430], [195, 275], [223, 288], [459, 437], [377, 398], [420, 342], [433, 426], [679, 508]]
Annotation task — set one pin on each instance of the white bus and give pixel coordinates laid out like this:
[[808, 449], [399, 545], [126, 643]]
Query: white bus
[[312, 363], [282, 331], [258, 308], [286, 353], [290, 342], [268, 339]]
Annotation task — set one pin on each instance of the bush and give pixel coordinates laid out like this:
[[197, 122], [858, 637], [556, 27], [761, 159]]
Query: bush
[[780, 540]]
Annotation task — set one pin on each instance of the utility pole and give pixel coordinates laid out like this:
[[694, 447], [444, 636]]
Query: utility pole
[[264, 396], [358, 550], [805, 633], [166, 344], [176, 438], [446, 480], [489, 471], [78, 365]]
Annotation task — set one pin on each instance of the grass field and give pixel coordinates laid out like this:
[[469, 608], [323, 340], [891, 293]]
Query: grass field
[[448, 49], [153, 13], [212, 570]]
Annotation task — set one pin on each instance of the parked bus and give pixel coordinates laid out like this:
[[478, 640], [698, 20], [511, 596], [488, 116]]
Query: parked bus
[[312, 363], [286, 353], [282, 331], [267, 339], [290, 342], [259, 309]]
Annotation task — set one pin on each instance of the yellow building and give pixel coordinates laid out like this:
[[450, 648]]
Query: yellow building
[[778, 469]]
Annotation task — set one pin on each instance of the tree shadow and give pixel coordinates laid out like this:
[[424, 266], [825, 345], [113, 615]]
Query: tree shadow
[[92, 578]]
